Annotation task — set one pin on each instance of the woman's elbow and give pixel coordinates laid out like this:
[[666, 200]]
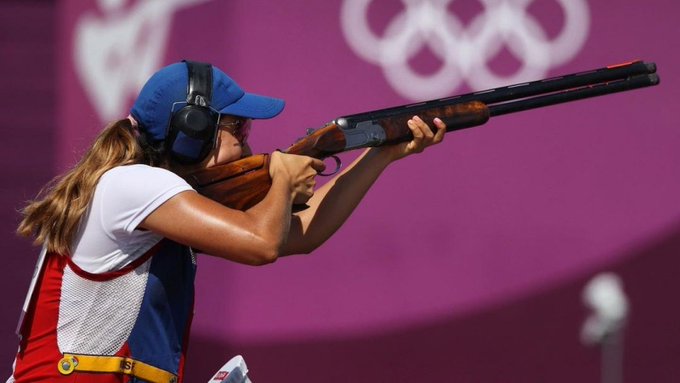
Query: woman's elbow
[[265, 257], [264, 254], [263, 251], [252, 257]]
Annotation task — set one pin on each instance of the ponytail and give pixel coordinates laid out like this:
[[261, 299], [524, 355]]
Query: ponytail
[[54, 216]]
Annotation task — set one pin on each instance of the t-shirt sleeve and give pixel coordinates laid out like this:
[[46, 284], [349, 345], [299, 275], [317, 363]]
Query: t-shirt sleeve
[[133, 192]]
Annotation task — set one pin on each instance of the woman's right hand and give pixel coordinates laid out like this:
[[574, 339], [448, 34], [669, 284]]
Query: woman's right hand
[[298, 171]]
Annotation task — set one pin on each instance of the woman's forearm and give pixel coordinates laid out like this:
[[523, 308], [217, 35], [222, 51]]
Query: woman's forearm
[[334, 202]]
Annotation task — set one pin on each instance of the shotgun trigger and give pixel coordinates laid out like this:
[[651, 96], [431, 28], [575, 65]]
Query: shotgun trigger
[[338, 165]]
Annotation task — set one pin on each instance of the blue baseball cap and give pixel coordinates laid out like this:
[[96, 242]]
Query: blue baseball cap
[[154, 105]]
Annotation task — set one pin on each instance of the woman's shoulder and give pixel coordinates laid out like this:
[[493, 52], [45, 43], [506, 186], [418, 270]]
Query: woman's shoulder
[[139, 170], [129, 178]]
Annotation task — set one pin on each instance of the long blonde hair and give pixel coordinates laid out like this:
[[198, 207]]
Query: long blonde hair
[[54, 216]]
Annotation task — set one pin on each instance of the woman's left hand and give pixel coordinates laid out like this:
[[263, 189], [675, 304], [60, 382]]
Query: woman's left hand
[[422, 138]]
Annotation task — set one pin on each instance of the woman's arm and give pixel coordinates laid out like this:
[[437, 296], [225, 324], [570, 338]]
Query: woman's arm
[[333, 203], [255, 236]]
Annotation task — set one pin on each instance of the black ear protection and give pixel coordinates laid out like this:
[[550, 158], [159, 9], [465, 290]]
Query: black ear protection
[[193, 129]]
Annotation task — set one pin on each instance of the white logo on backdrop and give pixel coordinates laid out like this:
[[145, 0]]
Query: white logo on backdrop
[[464, 51], [118, 49]]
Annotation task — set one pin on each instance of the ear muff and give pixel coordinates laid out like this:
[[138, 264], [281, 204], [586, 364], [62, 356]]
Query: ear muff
[[193, 129]]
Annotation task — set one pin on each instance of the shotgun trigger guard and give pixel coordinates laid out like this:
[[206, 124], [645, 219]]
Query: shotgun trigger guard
[[338, 165]]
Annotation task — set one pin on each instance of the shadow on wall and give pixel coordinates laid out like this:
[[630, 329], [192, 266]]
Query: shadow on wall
[[535, 339]]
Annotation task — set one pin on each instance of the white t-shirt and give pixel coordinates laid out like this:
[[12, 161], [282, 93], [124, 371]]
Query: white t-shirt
[[125, 195]]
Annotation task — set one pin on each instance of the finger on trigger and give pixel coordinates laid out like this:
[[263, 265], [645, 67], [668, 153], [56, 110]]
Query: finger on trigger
[[318, 165]]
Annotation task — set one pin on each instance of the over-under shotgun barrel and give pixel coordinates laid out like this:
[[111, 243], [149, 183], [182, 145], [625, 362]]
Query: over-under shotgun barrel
[[242, 184]]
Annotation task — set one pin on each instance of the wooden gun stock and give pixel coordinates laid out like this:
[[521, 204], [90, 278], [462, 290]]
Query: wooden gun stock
[[242, 184], [239, 185]]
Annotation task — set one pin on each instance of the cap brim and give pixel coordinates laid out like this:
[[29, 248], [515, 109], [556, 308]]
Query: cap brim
[[255, 106]]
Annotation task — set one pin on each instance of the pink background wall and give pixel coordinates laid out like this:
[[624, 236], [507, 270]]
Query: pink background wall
[[463, 264]]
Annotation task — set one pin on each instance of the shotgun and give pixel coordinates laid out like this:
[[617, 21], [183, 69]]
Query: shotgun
[[243, 183]]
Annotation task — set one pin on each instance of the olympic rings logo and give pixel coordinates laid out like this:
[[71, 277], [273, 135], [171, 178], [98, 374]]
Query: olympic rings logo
[[464, 51]]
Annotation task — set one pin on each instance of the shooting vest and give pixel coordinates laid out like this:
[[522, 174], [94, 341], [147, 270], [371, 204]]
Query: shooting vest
[[129, 325]]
